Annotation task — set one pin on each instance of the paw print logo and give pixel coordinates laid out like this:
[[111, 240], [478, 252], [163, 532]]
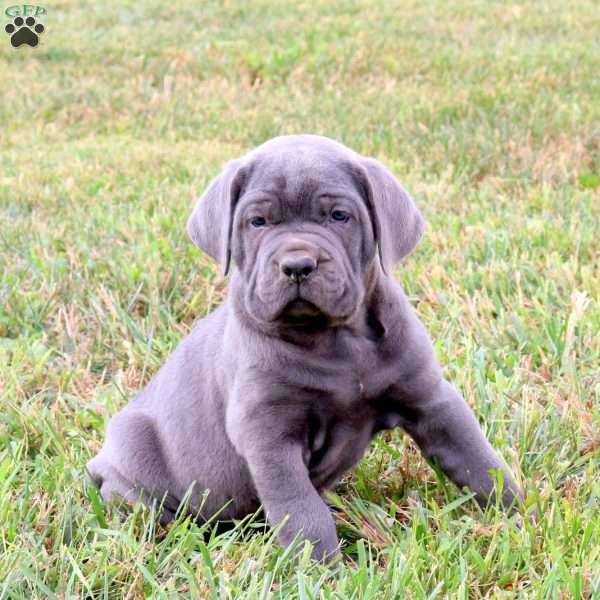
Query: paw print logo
[[24, 31]]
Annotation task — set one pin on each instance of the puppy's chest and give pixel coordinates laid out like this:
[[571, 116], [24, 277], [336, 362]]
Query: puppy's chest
[[344, 419], [348, 412], [360, 371]]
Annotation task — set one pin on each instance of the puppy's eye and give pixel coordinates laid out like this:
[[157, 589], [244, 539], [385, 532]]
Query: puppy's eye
[[340, 215], [258, 222]]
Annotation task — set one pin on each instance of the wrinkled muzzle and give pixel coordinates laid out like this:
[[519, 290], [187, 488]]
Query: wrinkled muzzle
[[300, 276]]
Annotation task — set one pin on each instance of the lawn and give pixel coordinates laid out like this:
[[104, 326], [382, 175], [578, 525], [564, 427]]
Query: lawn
[[488, 112]]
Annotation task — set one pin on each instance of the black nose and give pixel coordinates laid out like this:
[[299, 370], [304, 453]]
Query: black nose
[[298, 267]]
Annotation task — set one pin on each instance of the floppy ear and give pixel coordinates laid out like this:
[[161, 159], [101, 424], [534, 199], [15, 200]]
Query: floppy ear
[[397, 222], [211, 222]]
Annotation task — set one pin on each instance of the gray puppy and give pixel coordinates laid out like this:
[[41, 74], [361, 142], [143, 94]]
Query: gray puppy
[[278, 392]]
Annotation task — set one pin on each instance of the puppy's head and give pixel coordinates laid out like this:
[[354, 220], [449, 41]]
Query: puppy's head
[[304, 218]]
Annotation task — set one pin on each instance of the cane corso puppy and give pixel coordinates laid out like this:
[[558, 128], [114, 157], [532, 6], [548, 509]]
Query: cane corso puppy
[[278, 392]]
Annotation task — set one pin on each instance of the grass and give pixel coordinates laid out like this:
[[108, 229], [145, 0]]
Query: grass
[[489, 112]]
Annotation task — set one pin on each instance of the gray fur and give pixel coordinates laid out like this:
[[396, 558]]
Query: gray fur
[[269, 400]]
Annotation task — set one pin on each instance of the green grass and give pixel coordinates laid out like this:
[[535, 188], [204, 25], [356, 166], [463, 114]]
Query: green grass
[[489, 112]]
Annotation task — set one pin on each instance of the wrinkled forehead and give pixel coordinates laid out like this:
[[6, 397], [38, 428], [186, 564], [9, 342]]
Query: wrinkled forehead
[[296, 174]]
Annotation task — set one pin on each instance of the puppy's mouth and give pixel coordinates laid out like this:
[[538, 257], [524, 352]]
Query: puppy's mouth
[[300, 310]]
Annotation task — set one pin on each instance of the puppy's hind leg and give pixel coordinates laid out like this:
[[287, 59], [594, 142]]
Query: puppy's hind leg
[[131, 465]]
